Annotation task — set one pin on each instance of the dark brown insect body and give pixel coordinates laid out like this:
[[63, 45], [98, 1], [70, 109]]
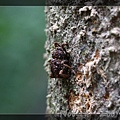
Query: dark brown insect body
[[59, 64]]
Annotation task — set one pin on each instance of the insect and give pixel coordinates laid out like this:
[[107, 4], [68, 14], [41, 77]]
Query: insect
[[59, 64]]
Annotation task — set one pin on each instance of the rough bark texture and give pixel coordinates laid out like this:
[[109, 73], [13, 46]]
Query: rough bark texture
[[93, 34]]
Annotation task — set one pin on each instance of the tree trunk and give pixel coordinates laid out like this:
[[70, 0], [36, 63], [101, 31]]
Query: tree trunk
[[93, 35]]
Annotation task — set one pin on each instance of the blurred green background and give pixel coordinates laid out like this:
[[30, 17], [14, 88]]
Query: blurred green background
[[23, 81]]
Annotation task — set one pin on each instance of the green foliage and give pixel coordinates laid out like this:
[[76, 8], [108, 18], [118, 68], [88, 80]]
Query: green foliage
[[22, 76]]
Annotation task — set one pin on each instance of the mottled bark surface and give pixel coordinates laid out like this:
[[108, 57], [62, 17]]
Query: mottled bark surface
[[93, 34]]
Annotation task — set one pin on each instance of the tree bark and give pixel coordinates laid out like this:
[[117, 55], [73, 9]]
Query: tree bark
[[93, 34]]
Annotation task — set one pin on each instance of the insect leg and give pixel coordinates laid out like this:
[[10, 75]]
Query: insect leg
[[63, 75]]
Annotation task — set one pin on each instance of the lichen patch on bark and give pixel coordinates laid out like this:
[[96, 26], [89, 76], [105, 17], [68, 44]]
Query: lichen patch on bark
[[93, 34]]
